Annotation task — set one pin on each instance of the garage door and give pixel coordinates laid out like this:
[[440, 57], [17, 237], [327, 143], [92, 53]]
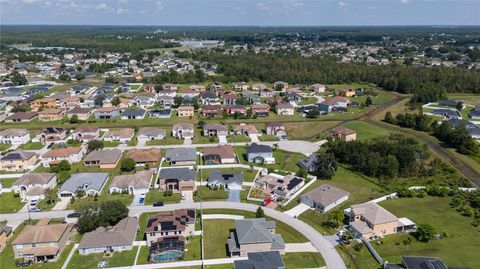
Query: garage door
[[187, 189]]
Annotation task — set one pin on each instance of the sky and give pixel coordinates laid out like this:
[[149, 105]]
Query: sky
[[241, 12]]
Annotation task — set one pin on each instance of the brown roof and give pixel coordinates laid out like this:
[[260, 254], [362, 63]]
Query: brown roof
[[123, 133], [224, 151], [341, 130], [50, 111], [139, 180], [121, 234], [61, 152], [176, 220], [40, 251], [78, 110], [249, 128], [86, 129], [144, 155], [107, 109], [34, 178], [42, 233], [374, 213], [22, 116]]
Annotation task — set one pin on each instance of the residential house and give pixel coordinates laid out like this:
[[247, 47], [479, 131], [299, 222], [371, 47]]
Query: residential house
[[342, 133], [240, 86], [18, 160], [250, 97], [143, 101], [22, 117], [347, 92], [133, 114], [81, 113], [216, 86], [108, 112], [447, 113], [50, 114], [318, 88], [258, 87], [169, 87], [43, 241], [452, 103], [184, 156], [183, 131], [267, 93], [180, 222], [220, 154], [123, 135], [211, 110], [30, 184], [46, 102], [6, 233], [285, 109], [418, 262], [14, 136], [52, 134], [85, 133], [245, 129], [135, 184], [309, 163], [177, 179], [54, 156], [215, 129], [237, 109], [160, 113], [230, 99], [279, 187], [110, 239], [261, 110], [188, 94], [260, 154], [275, 128], [89, 183], [209, 98], [294, 98], [151, 133], [78, 89], [225, 180], [254, 235], [341, 101], [168, 93], [104, 159], [324, 197], [370, 221], [166, 100], [185, 111], [144, 157], [197, 88]]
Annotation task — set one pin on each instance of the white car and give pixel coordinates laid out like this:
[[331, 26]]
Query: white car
[[184, 196]]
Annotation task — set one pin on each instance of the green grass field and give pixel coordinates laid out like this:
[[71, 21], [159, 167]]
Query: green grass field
[[9, 203], [366, 130], [118, 259], [207, 194], [303, 260], [458, 249], [155, 196], [7, 182], [308, 130], [32, 146], [216, 233]]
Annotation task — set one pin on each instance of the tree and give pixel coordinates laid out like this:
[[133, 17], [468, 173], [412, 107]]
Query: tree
[[99, 100], [94, 215], [259, 213], [336, 218], [313, 113], [73, 119], [17, 78], [177, 100], [389, 118], [115, 101], [425, 232], [21, 108], [79, 76], [127, 165], [325, 166], [368, 101], [62, 166], [64, 77], [95, 145]]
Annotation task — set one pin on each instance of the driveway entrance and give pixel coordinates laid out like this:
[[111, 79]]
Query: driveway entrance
[[234, 196]]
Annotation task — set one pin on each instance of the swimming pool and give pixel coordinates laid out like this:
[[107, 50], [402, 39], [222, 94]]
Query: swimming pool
[[167, 256]]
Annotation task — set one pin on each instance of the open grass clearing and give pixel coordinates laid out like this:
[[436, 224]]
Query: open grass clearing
[[118, 259], [308, 130], [9, 203], [303, 260], [155, 196], [366, 130]]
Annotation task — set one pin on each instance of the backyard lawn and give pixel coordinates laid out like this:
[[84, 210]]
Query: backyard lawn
[[111, 144], [366, 130], [4, 147], [124, 258], [32, 146], [216, 233], [193, 249]]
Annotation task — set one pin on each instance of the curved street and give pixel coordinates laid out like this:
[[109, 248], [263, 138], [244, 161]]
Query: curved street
[[323, 246]]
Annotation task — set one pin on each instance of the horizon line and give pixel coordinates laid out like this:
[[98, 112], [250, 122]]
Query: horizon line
[[239, 25]]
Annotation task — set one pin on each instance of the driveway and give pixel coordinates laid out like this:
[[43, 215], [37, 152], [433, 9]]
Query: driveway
[[222, 139], [234, 196], [188, 197], [333, 239], [187, 141], [62, 204], [136, 200], [254, 138], [297, 210]]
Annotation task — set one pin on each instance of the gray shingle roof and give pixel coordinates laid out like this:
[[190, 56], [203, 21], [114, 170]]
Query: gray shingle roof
[[94, 181], [261, 260], [177, 173], [256, 148], [181, 154], [107, 156], [133, 112], [122, 234], [250, 231], [219, 177]]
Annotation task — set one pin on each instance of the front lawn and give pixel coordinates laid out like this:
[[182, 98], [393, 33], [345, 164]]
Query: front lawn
[[9, 203], [111, 144], [238, 139], [265, 137], [155, 196], [7, 182], [126, 199], [4, 147], [207, 194], [308, 130]]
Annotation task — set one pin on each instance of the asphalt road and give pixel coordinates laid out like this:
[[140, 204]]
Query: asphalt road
[[330, 255]]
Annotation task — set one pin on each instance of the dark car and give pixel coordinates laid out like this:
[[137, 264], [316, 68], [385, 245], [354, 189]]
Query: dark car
[[159, 203], [73, 215], [50, 146], [24, 263]]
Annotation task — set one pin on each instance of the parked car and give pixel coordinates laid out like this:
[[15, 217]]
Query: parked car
[[24, 263], [50, 146], [142, 199], [184, 196], [159, 203], [73, 215], [35, 209]]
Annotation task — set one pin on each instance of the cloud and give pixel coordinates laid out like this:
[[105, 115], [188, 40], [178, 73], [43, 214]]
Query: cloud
[[342, 4], [262, 6], [158, 6], [371, 7], [120, 11], [79, 7], [122, 1], [403, 1], [28, 2], [101, 6]]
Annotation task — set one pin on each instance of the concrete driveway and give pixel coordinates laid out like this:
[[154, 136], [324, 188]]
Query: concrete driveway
[[254, 138], [188, 197], [297, 210], [234, 196], [136, 200], [222, 139], [62, 204]]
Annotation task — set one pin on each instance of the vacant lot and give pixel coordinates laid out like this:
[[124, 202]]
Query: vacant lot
[[366, 130], [308, 130]]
